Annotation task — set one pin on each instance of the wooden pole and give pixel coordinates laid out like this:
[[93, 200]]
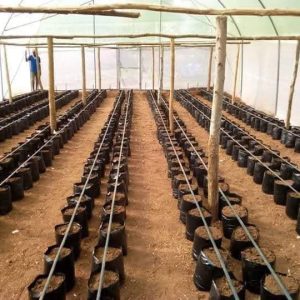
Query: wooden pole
[[7, 76], [83, 75], [99, 68], [172, 76], [161, 73], [235, 74], [209, 67], [51, 93], [292, 87], [153, 69], [39, 81], [118, 68], [140, 68], [214, 133]]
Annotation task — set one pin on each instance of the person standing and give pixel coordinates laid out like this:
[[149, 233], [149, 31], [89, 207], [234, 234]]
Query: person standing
[[35, 69]]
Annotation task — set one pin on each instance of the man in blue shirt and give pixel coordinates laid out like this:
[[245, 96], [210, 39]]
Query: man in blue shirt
[[34, 64]]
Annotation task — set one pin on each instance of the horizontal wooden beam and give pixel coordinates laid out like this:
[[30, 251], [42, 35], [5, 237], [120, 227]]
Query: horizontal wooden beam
[[98, 9]]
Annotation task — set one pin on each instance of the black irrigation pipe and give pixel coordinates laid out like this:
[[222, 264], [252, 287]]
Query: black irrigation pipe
[[46, 143], [275, 276], [254, 114], [263, 163], [101, 280], [228, 278], [76, 206], [259, 142]]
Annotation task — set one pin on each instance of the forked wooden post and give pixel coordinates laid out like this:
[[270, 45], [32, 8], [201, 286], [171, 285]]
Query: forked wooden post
[[99, 68], [172, 76], [83, 75], [7, 76], [236, 71], [51, 93], [292, 87], [214, 133], [39, 81], [153, 69], [209, 67]]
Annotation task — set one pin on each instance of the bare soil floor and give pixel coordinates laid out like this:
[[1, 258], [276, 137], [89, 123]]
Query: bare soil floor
[[34, 217], [277, 231], [10, 143]]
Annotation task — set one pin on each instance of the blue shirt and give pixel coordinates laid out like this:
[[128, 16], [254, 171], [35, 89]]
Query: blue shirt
[[33, 64]]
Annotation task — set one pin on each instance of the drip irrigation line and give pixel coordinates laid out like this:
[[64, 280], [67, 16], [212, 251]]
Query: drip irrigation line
[[273, 273], [42, 147], [25, 143], [76, 207], [263, 163], [256, 116], [247, 133], [101, 280], [216, 249]]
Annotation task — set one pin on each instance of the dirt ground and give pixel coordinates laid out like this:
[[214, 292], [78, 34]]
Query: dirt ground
[[159, 264], [277, 231], [21, 253], [12, 142]]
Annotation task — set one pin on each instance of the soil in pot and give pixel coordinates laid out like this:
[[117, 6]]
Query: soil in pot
[[271, 291]]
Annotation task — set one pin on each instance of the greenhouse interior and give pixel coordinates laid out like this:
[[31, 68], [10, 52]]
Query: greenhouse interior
[[150, 149]]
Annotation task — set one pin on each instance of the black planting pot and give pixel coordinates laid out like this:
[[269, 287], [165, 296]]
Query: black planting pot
[[73, 239], [117, 238], [109, 291], [25, 173], [202, 241], [187, 202], [90, 189], [42, 166], [258, 172], [119, 213], [5, 199], [16, 187], [268, 182], [298, 223], [33, 164], [254, 269], [208, 269], [281, 190], [286, 170], [242, 158], [233, 198], [292, 205], [65, 264], [47, 156], [266, 293], [58, 293], [114, 261], [80, 217], [194, 220], [85, 201], [120, 198]]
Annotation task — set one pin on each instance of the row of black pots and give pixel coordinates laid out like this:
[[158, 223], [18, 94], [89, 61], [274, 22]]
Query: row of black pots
[[209, 272], [23, 171], [263, 123], [23, 120], [21, 101], [118, 181], [79, 229], [261, 175]]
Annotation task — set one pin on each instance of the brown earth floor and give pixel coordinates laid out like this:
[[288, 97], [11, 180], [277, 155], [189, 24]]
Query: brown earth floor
[[21, 253], [12, 142], [277, 231]]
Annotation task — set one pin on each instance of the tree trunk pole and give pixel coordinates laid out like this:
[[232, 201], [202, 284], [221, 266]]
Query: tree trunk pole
[[140, 68], [161, 73], [209, 67], [172, 71], [214, 133], [99, 68], [153, 69], [118, 68], [236, 71], [83, 75], [38, 73], [292, 87], [7, 76], [51, 93]]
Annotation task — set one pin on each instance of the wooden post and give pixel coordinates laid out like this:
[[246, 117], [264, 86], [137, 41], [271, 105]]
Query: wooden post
[[161, 72], [172, 71], [214, 133], [83, 75], [51, 93], [118, 68], [235, 74], [38, 79], [140, 68], [153, 69], [209, 67], [292, 87], [7, 76], [99, 68]]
